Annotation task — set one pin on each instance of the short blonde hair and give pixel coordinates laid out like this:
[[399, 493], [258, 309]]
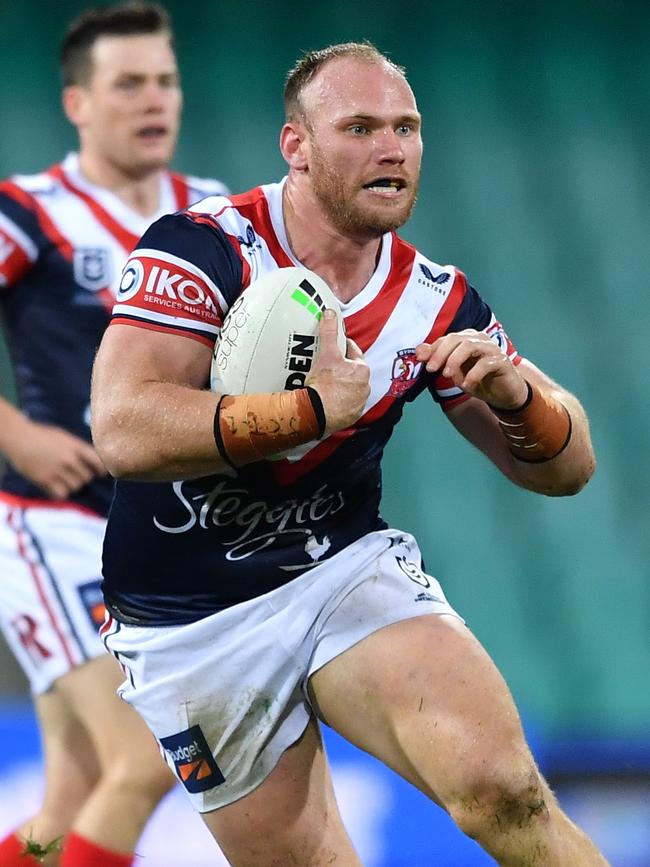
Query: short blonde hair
[[311, 62]]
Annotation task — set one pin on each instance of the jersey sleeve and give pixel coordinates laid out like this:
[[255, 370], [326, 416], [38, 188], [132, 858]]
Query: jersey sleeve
[[20, 235], [181, 278], [473, 312]]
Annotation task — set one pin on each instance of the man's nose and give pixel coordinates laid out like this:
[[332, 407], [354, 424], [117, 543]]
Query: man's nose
[[389, 146], [154, 96]]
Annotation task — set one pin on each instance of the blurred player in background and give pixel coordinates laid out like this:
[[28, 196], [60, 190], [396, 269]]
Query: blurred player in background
[[64, 236], [256, 596]]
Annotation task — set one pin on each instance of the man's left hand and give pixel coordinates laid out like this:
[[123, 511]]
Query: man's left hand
[[476, 364]]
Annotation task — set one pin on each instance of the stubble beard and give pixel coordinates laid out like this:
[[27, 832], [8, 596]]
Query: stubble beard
[[344, 214]]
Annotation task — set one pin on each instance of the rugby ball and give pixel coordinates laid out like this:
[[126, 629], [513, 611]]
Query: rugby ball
[[270, 336]]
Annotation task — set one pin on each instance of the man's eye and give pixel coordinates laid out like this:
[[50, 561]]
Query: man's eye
[[128, 84], [358, 129], [404, 129]]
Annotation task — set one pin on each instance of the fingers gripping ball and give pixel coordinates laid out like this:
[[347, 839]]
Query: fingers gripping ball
[[270, 337]]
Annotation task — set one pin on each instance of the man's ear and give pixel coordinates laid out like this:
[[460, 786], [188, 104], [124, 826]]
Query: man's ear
[[294, 145], [75, 104]]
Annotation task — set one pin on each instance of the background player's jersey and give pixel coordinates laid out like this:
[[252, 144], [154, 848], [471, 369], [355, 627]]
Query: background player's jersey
[[176, 552], [63, 244]]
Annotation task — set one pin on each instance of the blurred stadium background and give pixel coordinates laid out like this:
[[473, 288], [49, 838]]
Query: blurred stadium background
[[536, 182]]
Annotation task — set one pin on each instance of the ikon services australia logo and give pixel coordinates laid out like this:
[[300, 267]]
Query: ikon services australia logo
[[193, 760]]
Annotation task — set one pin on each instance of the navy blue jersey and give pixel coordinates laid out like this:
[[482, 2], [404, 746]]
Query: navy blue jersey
[[63, 244], [175, 552]]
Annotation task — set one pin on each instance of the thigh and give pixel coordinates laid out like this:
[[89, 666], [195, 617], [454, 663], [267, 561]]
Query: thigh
[[425, 698], [119, 736], [291, 818]]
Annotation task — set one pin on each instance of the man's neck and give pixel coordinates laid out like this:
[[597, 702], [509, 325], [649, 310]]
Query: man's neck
[[140, 194], [345, 263]]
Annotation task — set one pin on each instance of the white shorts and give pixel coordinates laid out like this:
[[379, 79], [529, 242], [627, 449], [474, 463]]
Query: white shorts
[[51, 604], [225, 696]]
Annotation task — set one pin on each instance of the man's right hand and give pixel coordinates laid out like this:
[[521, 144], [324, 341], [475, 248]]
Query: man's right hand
[[343, 382], [57, 461]]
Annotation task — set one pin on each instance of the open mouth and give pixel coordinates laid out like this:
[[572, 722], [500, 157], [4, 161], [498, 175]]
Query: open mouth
[[152, 133], [383, 185]]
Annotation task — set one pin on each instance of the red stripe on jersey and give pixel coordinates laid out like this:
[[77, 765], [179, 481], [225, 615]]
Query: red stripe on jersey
[[33, 503], [246, 268], [33, 571], [163, 329], [365, 325], [14, 261], [63, 245], [127, 239], [18, 195], [449, 308], [181, 191], [451, 402], [210, 220], [287, 472], [254, 207]]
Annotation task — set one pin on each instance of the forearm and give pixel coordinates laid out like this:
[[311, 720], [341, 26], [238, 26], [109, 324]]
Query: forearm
[[175, 432], [12, 423], [569, 471], [563, 475]]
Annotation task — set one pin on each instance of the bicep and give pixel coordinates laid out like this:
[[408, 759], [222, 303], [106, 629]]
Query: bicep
[[130, 357], [132, 362]]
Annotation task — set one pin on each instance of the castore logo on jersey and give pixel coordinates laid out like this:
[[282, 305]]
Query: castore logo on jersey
[[250, 240], [443, 277]]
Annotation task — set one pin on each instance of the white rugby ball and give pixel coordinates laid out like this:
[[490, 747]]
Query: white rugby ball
[[270, 336]]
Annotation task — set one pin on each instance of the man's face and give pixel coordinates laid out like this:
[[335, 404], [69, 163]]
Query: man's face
[[130, 107], [364, 145]]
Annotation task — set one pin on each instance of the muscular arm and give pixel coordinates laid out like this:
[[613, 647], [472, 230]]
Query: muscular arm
[[564, 475], [480, 368], [153, 419]]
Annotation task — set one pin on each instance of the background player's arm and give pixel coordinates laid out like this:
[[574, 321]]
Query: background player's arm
[[478, 366], [153, 418], [57, 461]]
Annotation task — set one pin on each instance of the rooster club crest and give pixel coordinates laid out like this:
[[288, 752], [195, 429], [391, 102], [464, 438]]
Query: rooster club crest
[[91, 267], [405, 371]]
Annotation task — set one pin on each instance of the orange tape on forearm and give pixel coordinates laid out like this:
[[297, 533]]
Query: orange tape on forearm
[[251, 427], [539, 430]]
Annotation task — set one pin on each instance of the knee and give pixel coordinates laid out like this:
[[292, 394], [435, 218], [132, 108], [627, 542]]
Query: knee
[[497, 801], [149, 779]]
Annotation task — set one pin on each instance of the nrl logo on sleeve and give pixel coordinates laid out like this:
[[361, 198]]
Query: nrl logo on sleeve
[[92, 268], [193, 760]]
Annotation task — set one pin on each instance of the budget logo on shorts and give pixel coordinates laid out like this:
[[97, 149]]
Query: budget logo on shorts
[[193, 760], [93, 601]]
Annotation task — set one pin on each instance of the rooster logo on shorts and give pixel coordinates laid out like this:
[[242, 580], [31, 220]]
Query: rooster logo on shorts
[[404, 374]]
